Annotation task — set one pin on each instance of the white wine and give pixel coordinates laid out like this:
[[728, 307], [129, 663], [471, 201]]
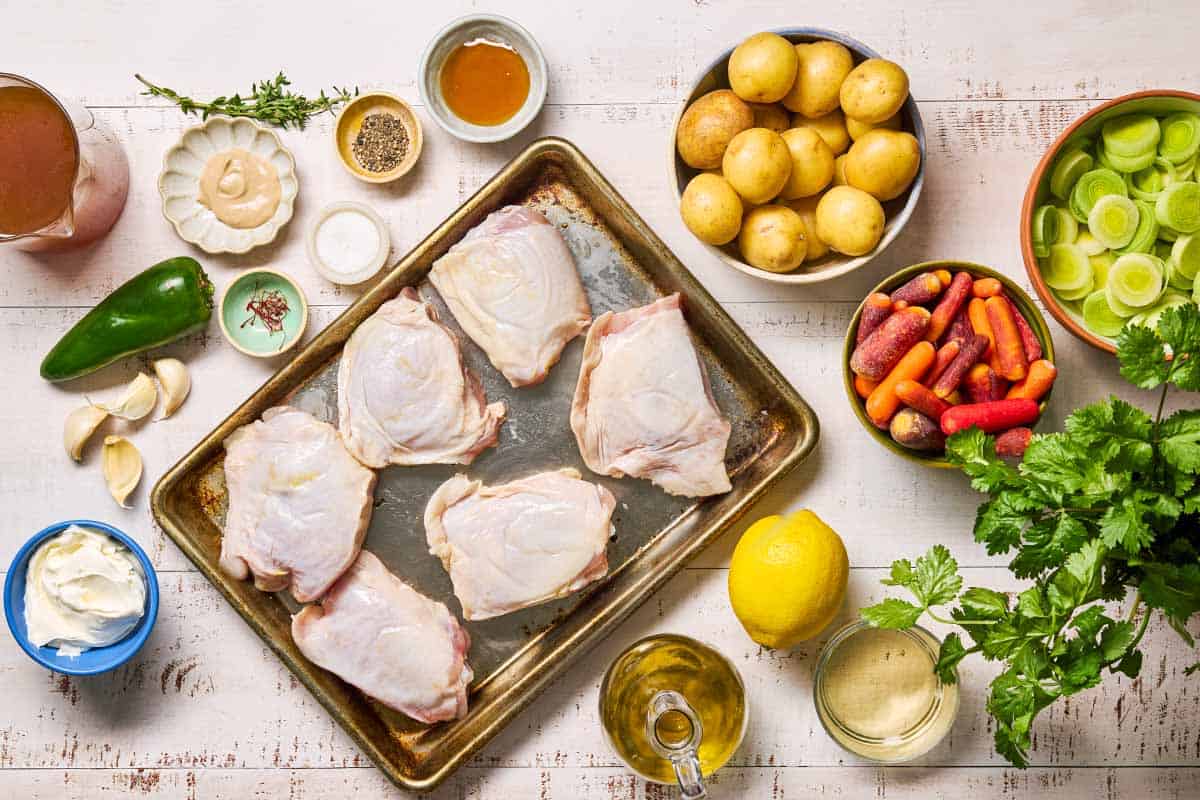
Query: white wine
[[661, 665]]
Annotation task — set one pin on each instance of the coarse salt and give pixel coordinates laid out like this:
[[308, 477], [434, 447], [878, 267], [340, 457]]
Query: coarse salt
[[347, 241]]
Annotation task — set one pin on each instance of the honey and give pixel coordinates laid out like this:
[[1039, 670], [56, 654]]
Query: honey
[[37, 170], [484, 82]]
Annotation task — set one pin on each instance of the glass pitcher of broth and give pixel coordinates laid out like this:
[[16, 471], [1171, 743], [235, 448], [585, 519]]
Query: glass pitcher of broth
[[674, 710], [63, 175]]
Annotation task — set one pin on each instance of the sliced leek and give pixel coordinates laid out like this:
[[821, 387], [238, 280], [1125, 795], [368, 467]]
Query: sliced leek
[[1185, 256], [1135, 281], [1099, 317], [1121, 163], [1178, 207], [1070, 166], [1089, 243], [1150, 317], [1067, 270], [1148, 183], [1146, 234], [1180, 137], [1100, 267], [1044, 230], [1090, 187], [1131, 135], [1068, 228], [1113, 221]]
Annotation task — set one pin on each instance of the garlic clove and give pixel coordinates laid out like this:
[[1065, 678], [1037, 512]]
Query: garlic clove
[[175, 381], [122, 466], [80, 425], [138, 400]]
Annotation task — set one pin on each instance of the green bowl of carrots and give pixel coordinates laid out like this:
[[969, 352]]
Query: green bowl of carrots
[[910, 387]]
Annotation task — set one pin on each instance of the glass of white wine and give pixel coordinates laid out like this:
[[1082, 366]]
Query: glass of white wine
[[674, 710]]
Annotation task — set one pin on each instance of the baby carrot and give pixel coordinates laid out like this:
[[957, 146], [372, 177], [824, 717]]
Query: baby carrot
[[969, 354], [977, 314], [945, 355], [883, 402], [982, 384], [864, 386], [919, 291], [882, 350], [944, 277], [876, 309], [917, 397], [1039, 380], [1009, 351], [986, 287], [1013, 442], [993, 417], [948, 307], [1033, 348]]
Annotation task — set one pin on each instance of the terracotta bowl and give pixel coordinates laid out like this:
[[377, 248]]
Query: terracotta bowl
[[833, 265], [895, 281], [1154, 101]]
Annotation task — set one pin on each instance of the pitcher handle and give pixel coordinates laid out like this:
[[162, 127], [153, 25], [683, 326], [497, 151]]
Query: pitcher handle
[[681, 752]]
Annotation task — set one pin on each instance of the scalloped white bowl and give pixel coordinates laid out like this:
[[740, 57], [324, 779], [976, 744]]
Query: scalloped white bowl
[[179, 184]]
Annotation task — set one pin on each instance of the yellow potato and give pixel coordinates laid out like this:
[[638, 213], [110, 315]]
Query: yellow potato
[[757, 164], [711, 209], [831, 128], [708, 125], [806, 207], [849, 220], [763, 68], [874, 91], [839, 171], [883, 163], [772, 238], [771, 116], [857, 128], [812, 163], [821, 68]]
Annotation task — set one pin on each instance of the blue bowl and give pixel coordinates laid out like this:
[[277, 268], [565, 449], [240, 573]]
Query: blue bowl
[[90, 662]]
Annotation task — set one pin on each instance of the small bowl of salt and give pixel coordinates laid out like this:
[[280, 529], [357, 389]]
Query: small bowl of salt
[[349, 243]]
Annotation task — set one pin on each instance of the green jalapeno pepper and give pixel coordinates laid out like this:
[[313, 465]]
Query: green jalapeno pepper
[[171, 299]]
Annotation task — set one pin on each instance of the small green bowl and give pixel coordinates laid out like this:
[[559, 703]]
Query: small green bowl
[[895, 281], [245, 330]]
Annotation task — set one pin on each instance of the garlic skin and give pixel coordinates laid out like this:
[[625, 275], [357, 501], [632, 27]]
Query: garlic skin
[[80, 425], [175, 381], [139, 399], [122, 466]]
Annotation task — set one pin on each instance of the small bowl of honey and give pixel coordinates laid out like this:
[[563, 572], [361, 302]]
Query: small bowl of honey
[[483, 78]]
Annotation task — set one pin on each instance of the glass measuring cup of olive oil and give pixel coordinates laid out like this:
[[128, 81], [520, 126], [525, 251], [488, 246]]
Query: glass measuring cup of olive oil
[[877, 695], [674, 710]]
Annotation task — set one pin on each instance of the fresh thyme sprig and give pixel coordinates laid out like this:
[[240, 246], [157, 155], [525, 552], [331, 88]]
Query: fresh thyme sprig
[[269, 101]]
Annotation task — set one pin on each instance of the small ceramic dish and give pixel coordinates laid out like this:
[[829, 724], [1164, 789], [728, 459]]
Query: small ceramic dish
[[95, 660], [497, 29], [366, 222], [1025, 305], [350, 120], [1152, 101], [179, 184], [833, 265], [245, 330]]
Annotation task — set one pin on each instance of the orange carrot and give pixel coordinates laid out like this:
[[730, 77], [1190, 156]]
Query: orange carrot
[[944, 277], [883, 402], [948, 307], [899, 305], [1039, 380], [864, 386], [945, 355], [986, 287], [977, 314], [917, 397], [1009, 350]]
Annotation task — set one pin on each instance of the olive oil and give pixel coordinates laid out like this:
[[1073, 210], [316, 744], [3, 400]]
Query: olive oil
[[672, 664], [484, 82]]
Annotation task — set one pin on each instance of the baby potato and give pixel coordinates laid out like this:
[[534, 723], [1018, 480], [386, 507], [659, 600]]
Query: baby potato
[[857, 128], [831, 127], [763, 68], [874, 90], [849, 220], [711, 209], [771, 116], [839, 171], [812, 163], [883, 163], [772, 238], [757, 164], [708, 125], [806, 207], [821, 68]]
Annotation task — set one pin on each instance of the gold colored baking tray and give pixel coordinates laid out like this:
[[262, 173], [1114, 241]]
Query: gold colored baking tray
[[623, 264]]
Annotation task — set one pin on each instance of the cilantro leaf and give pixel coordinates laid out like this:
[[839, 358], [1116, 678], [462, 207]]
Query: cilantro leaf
[[1115, 640], [1143, 357], [1116, 432], [974, 452], [892, 613], [1130, 664], [1174, 588], [1123, 525], [951, 653], [938, 581], [1179, 440], [1180, 328], [999, 522], [978, 603], [1057, 461], [1090, 621]]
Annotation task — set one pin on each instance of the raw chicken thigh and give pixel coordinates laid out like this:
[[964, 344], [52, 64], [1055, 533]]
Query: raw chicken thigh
[[643, 406], [512, 285], [299, 504], [404, 394], [521, 543], [376, 632]]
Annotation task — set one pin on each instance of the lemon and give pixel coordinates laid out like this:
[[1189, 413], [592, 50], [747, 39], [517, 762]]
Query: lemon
[[787, 579]]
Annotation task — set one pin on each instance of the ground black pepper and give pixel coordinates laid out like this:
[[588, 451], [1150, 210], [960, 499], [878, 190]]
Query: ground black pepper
[[381, 143]]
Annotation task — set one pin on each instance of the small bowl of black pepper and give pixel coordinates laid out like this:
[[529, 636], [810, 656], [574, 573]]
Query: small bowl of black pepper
[[378, 137]]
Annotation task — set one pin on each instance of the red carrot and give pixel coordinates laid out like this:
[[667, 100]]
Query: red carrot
[[998, 415]]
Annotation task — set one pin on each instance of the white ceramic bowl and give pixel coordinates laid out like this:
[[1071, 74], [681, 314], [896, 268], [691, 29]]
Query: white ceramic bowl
[[466, 29], [833, 265], [370, 268], [179, 184]]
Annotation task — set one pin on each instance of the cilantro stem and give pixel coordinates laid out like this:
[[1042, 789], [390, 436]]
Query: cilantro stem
[[945, 621], [1141, 631]]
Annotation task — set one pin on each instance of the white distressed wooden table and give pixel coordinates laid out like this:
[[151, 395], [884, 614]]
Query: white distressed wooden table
[[207, 711]]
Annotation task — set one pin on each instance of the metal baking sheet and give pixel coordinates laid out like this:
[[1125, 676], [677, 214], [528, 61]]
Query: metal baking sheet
[[514, 657]]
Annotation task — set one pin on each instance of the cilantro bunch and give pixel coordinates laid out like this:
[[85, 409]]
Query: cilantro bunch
[[1111, 503]]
